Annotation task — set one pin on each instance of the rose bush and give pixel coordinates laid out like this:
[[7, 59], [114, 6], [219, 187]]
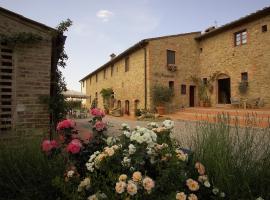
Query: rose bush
[[145, 163]]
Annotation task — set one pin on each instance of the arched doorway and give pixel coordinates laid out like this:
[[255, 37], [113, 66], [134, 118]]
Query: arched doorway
[[127, 107], [118, 104], [136, 107], [223, 89]]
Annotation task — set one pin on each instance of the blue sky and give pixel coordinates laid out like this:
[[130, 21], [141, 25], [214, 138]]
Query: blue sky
[[102, 27]]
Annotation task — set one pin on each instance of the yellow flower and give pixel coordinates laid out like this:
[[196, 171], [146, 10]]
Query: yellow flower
[[181, 196], [122, 177], [120, 187], [137, 176], [192, 185], [192, 197], [132, 188], [201, 169]]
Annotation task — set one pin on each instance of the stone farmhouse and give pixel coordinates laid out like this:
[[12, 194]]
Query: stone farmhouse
[[26, 71], [237, 52]]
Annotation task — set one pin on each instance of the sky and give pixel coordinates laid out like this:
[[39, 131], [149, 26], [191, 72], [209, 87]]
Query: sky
[[103, 27]]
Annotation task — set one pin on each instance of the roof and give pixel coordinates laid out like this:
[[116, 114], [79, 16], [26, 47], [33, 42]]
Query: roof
[[133, 48], [253, 16], [8, 12], [74, 94]]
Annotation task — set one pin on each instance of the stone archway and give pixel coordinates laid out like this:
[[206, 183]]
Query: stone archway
[[223, 89]]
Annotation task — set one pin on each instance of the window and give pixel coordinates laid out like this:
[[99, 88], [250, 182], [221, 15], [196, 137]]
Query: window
[[96, 77], [244, 76], [171, 85], [183, 89], [264, 28], [170, 57], [104, 73], [112, 70], [204, 81], [240, 38], [126, 64]]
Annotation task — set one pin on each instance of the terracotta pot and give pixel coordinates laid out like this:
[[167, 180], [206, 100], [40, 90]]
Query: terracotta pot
[[160, 110]]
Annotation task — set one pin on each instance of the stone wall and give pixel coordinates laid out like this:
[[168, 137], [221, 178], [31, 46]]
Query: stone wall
[[220, 54], [186, 60], [127, 86], [31, 75]]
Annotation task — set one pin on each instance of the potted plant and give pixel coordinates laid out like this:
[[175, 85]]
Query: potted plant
[[161, 95], [205, 88], [106, 95], [243, 87]]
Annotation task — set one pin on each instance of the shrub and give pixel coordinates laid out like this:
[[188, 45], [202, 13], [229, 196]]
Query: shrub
[[162, 95], [237, 158], [25, 173], [145, 163]]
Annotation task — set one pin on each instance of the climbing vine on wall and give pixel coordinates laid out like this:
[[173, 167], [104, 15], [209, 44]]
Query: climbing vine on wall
[[20, 38]]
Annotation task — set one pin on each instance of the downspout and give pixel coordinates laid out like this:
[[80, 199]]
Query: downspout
[[145, 79]]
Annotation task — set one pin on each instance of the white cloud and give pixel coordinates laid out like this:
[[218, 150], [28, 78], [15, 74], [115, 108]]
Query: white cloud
[[105, 15]]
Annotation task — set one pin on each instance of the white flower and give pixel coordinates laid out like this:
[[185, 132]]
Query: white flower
[[168, 124], [125, 126], [207, 184], [126, 161], [222, 194], [111, 140], [215, 191], [84, 184], [92, 197], [70, 173], [131, 149], [152, 125], [259, 198], [127, 134]]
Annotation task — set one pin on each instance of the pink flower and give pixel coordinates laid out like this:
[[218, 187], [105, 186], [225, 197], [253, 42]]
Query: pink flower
[[97, 112], [48, 145], [100, 126], [54, 144], [74, 146], [65, 124]]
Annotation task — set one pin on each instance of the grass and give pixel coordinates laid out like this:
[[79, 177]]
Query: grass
[[237, 159], [25, 172]]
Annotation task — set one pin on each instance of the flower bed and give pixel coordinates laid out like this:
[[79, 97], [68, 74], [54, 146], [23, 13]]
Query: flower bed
[[144, 163]]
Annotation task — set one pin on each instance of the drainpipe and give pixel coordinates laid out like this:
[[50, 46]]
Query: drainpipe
[[145, 79]]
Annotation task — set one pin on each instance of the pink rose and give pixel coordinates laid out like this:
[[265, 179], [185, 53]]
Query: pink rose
[[97, 112], [54, 144], [65, 124], [100, 126], [74, 146], [48, 145]]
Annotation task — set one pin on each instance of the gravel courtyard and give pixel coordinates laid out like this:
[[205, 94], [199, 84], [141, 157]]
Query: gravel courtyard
[[182, 132]]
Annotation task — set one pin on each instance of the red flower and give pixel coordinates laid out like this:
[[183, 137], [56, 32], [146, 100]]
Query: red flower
[[74, 146], [97, 112], [100, 126], [65, 124], [48, 145]]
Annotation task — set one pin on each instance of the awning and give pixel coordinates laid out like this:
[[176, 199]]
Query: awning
[[75, 94]]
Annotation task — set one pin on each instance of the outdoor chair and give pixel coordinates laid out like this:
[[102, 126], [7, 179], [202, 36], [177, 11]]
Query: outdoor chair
[[253, 102], [235, 101]]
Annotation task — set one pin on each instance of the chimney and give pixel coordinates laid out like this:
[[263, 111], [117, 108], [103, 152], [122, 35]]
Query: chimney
[[112, 56], [210, 29]]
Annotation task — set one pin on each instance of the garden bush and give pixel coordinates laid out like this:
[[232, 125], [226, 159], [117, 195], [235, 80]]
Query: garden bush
[[25, 172], [237, 158]]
